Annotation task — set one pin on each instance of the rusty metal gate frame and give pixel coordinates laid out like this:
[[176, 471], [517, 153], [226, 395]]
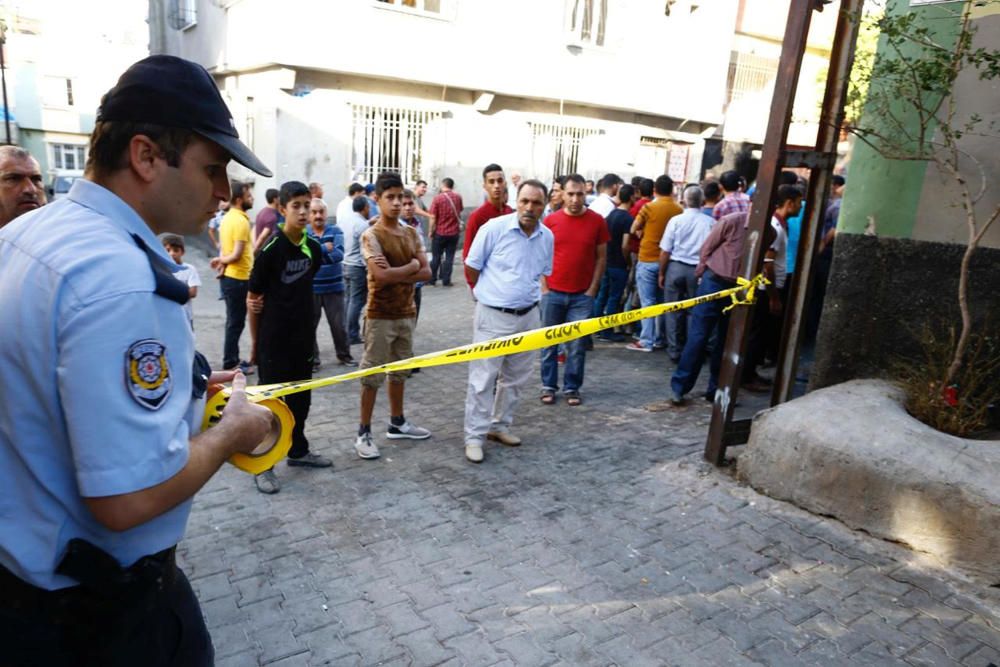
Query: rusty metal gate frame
[[724, 431]]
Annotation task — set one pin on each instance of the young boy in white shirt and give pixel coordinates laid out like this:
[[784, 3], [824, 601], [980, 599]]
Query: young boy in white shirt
[[174, 245]]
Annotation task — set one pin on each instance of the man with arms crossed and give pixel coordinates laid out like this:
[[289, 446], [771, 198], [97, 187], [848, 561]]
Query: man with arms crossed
[[505, 266], [396, 260], [100, 439]]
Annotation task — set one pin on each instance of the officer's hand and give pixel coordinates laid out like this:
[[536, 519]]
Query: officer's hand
[[248, 422], [221, 377]]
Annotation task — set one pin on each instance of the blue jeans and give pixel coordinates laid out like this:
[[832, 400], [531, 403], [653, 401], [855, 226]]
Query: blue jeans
[[706, 318], [654, 330], [609, 298], [560, 308], [356, 285]]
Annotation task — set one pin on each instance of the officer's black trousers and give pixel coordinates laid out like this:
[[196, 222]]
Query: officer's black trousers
[[75, 628]]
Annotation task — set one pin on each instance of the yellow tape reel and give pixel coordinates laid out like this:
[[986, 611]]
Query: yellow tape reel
[[275, 444]]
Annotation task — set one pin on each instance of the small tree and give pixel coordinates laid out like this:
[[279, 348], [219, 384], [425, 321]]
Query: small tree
[[911, 113]]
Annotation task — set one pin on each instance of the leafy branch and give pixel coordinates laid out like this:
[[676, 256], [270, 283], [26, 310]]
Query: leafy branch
[[911, 113]]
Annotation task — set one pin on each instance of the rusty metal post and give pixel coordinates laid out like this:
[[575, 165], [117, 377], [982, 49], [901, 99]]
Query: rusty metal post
[[822, 164], [792, 51]]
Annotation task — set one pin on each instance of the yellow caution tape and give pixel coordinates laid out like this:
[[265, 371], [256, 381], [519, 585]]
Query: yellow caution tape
[[275, 444], [743, 294]]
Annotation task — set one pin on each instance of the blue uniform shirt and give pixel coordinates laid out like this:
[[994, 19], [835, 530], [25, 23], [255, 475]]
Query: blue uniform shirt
[[95, 372], [510, 263]]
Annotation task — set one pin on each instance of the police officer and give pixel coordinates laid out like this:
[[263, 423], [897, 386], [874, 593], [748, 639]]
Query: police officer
[[103, 392]]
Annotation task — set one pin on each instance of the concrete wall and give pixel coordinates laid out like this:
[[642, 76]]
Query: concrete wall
[[913, 199], [309, 136], [520, 47], [298, 93], [884, 291], [888, 285]]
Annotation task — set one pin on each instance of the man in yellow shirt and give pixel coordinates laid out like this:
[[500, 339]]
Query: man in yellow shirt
[[235, 260], [649, 226]]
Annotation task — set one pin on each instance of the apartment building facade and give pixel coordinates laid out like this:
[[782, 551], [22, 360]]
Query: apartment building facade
[[336, 92]]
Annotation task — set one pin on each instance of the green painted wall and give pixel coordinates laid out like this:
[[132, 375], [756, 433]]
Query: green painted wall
[[881, 192]]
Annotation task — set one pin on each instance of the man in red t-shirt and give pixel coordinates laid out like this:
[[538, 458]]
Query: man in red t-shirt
[[443, 229], [495, 187], [581, 238]]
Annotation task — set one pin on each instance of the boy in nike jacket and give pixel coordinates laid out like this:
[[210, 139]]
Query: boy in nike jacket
[[280, 307]]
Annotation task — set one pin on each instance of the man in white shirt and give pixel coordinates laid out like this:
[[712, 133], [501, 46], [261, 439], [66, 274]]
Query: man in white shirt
[[505, 265], [353, 224], [680, 249], [607, 189], [344, 209]]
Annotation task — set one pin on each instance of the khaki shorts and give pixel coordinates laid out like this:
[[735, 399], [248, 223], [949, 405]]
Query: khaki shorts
[[385, 341]]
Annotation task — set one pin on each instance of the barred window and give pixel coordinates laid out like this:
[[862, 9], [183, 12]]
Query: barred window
[[556, 148], [587, 20], [750, 73], [389, 139]]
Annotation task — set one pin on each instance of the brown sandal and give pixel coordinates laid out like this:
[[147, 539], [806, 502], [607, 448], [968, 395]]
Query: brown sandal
[[573, 399], [548, 398]]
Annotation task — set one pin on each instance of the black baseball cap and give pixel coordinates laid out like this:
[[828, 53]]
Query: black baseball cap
[[173, 92]]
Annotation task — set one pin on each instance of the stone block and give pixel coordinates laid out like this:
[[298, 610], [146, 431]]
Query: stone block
[[853, 452]]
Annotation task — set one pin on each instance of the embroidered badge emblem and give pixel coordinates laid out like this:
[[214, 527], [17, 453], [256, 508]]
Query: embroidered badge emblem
[[147, 373]]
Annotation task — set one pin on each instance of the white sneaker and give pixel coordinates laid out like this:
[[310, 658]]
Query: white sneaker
[[474, 451], [408, 431], [365, 446]]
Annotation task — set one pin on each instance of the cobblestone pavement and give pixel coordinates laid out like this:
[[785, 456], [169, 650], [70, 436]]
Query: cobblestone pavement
[[603, 540]]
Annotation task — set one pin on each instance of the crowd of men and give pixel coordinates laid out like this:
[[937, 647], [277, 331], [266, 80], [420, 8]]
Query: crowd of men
[[533, 254], [103, 438]]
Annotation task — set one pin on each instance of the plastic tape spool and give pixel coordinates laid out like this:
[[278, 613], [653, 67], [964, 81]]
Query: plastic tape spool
[[275, 444]]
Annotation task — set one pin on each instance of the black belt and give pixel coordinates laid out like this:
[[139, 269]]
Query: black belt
[[148, 575], [513, 311], [727, 281]]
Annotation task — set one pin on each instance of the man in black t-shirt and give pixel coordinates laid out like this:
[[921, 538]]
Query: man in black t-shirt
[[609, 298], [280, 303]]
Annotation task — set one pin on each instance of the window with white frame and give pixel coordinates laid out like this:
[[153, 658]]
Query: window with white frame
[[556, 148], [434, 8], [182, 14], [389, 139], [587, 21], [68, 156], [57, 91]]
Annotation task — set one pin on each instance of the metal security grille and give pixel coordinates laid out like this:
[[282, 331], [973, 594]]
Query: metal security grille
[[389, 139], [557, 148], [750, 73]]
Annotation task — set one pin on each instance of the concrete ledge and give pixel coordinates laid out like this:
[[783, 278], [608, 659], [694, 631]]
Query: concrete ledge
[[851, 451]]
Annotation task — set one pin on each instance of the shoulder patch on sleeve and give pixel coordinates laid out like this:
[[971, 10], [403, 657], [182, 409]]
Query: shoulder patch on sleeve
[[147, 374]]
